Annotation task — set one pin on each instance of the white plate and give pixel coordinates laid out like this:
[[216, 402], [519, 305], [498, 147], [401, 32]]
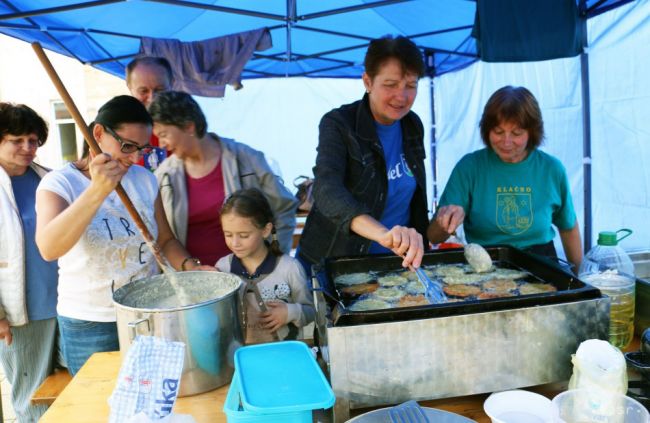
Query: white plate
[[433, 414]]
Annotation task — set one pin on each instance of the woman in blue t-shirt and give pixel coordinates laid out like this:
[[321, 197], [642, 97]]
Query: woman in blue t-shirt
[[369, 190], [27, 281], [510, 192]]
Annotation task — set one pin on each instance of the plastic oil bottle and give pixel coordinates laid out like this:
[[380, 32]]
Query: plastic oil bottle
[[608, 267]]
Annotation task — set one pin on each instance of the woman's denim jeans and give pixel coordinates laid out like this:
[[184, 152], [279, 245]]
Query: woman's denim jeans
[[81, 338]]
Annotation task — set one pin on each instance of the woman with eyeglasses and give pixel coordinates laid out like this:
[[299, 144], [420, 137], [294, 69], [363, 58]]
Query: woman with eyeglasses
[[83, 223], [27, 281]]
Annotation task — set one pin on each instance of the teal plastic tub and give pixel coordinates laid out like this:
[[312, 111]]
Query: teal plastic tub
[[276, 382], [236, 415]]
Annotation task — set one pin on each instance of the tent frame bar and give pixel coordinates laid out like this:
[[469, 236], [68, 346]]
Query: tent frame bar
[[348, 9], [223, 9], [50, 10]]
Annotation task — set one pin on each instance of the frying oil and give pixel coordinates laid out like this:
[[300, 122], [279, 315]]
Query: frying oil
[[621, 324], [620, 290]]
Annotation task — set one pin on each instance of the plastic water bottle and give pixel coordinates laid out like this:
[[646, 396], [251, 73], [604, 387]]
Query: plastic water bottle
[[608, 267]]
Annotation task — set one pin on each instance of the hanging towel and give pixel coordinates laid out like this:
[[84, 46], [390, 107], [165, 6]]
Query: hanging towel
[[526, 30], [205, 67]]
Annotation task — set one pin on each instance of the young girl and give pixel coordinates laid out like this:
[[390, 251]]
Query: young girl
[[274, 279]]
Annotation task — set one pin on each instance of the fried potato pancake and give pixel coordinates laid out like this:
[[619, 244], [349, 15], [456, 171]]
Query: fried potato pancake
[[388, 294], [353, 278], [462, 290], [412, 300], [415, 287], [392, 280], [490, 295], [536, 288], [500, 285], [362, 288], [370, 304]]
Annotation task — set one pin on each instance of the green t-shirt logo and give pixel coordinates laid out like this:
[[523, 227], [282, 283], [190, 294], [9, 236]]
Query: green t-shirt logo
[[514, 212]]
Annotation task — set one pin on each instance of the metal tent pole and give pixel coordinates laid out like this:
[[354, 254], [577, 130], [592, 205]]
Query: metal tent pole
[[431, 71], [586, 131]]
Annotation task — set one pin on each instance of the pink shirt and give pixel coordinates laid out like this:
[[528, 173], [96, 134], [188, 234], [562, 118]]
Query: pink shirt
[[206, 195]]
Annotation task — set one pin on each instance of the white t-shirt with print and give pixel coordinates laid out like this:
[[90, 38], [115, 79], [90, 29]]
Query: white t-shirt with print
[[111, 252]]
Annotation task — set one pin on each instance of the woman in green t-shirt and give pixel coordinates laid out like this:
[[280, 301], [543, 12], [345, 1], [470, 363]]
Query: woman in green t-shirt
[[510, 192]]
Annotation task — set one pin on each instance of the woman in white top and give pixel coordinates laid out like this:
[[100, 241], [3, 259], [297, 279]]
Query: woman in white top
[[27, 282], [82, 222]]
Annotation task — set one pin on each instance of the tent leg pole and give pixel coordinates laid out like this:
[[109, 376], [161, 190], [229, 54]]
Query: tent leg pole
[[586, 137], [434, 153]]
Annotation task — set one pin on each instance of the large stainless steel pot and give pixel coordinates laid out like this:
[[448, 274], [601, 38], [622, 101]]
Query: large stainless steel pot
[[210, 326]]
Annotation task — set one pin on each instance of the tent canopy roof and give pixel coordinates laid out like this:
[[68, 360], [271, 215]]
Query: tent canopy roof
[[312, 38]]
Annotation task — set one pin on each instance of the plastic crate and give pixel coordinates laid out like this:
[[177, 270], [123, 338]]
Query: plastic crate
[[276, 382]]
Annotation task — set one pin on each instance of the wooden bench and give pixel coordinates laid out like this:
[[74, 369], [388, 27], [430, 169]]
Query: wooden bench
[[51, 387]]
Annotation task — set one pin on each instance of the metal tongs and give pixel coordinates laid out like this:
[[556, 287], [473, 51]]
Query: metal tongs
[[432, 290]]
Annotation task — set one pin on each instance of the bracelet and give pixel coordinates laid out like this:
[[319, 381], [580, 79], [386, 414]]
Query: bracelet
[[194, 259]]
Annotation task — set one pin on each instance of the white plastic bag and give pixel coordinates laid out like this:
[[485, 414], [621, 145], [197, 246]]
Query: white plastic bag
[[149, 379], [599, 366]]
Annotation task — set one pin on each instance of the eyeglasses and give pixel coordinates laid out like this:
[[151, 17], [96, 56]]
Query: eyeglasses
[[129, 147], [31, 142]]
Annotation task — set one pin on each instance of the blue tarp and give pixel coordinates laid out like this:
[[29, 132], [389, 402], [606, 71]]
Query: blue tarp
[[327, 39], [313, 38]]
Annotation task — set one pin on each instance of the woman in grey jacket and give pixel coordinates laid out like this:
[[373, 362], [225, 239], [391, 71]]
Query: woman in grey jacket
[[202, 171], [27, 281]]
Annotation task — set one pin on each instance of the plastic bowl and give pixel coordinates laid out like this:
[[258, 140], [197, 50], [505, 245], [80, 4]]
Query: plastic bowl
[[640, 362], [518, 407], [580, 405]]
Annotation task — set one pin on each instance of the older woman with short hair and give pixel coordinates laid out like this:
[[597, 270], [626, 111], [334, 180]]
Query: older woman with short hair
[[27, 281], [202, 171], [510, 192]]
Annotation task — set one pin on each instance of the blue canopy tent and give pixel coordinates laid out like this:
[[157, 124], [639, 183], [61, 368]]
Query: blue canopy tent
[[320, 39]]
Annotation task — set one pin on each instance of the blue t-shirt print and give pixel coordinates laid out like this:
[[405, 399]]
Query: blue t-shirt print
[[401, 183]]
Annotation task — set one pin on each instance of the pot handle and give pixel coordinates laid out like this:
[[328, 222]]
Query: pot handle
[[133, 328], [242, 309]]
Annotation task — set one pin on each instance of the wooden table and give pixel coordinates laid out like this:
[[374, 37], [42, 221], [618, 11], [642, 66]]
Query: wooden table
[[84, 400]]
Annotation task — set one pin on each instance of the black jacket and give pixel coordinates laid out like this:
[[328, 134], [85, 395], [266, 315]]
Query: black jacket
[[350, 180]]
